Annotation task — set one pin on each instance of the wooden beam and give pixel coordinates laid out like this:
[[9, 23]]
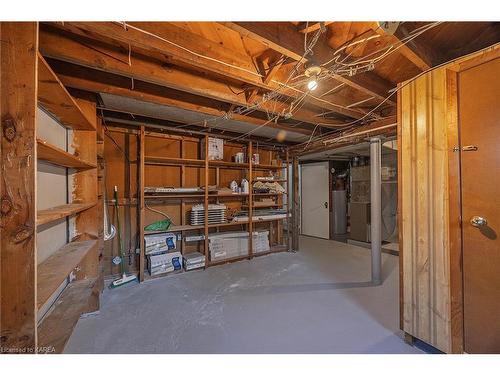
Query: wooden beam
[[414, 51], [100, 82], [386, 126], [284, 38], [104, 57], [18, 95], [308, 27], [163, 49]]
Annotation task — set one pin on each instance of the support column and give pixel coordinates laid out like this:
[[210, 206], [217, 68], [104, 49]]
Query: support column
[[376, 209], [18, 102], [296, 204]]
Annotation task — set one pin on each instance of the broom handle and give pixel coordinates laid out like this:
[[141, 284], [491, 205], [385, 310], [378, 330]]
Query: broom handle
[[122, 254]]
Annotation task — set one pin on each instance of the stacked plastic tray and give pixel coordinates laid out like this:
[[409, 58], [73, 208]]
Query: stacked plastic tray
[[216, 214]]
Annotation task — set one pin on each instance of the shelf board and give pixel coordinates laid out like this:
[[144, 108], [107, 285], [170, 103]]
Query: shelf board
[[55, 155], [58, 212], [228, 164], [176, 228], [160, 160], [277, 180], [266, 166], [228, 260], [54, 97], [264, 206], [185, 196], [268, 194], [182, 228], [52, 272], [274, 249], [57, 326]]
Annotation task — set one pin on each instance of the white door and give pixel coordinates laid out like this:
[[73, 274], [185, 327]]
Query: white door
[[315, 198]]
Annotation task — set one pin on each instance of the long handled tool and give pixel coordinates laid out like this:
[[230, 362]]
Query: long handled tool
[[124, 279]]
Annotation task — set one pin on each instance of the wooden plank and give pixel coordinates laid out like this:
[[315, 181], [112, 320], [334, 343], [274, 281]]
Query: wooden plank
[[425, 210], [412, 55], [54, 97], [18, 103], [55, 213], [56, 328], [173, 161], [55, 269], [54, 155]]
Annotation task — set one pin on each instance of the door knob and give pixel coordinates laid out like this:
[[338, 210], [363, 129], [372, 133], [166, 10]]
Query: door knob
[[326, 204], [478, 221]]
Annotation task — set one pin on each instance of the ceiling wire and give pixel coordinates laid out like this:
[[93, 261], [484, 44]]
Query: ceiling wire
[[398, 89], [275, 93]]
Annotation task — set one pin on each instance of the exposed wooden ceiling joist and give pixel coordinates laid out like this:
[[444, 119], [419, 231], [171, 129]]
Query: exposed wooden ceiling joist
[[284, 38], [208, 55], [86, 79], [307, 27], [106, 58], [415, 50]]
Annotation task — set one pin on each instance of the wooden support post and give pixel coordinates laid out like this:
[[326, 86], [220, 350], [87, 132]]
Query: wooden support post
[[250, 201], [142, 255], [18, 102], [296, 204], [85, 191]]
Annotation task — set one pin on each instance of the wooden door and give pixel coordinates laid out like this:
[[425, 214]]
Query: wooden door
[[315, 198], [479, 116]]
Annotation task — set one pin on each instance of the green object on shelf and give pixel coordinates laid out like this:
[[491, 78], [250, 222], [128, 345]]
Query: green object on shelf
[[158, 225]]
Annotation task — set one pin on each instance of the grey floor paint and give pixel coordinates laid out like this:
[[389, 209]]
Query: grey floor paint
[[318, 300]]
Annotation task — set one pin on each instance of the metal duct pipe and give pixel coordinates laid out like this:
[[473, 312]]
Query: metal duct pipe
[[376, 209]]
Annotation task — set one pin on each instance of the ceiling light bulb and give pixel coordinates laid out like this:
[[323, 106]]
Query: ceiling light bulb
[[312, 84]]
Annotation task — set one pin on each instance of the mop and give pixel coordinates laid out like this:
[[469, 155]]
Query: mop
[[124, 279]]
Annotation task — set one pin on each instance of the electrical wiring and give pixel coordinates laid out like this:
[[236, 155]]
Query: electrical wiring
[[128, 26], [397, 89]]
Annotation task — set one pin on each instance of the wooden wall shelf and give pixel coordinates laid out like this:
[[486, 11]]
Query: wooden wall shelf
[[58, 212], [52, 272], [54, 97], [159, 160], [56, 328], [55, 155]]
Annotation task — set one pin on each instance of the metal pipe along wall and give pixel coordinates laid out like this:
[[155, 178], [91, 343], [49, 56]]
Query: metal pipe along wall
[[376, 209]]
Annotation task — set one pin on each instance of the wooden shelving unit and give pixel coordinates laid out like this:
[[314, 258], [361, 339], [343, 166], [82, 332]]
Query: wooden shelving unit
[[207, 172], [57, 314]]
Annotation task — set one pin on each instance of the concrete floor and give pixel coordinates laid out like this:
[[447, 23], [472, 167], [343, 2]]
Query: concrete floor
[[316, 301]]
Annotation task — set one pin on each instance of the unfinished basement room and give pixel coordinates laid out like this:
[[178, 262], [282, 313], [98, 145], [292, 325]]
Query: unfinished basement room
[[249, 187]]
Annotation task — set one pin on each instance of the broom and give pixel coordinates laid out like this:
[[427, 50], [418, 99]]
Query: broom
[[124, 279]]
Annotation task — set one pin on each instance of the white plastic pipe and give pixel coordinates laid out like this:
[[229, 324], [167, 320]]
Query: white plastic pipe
[[376, 209]]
